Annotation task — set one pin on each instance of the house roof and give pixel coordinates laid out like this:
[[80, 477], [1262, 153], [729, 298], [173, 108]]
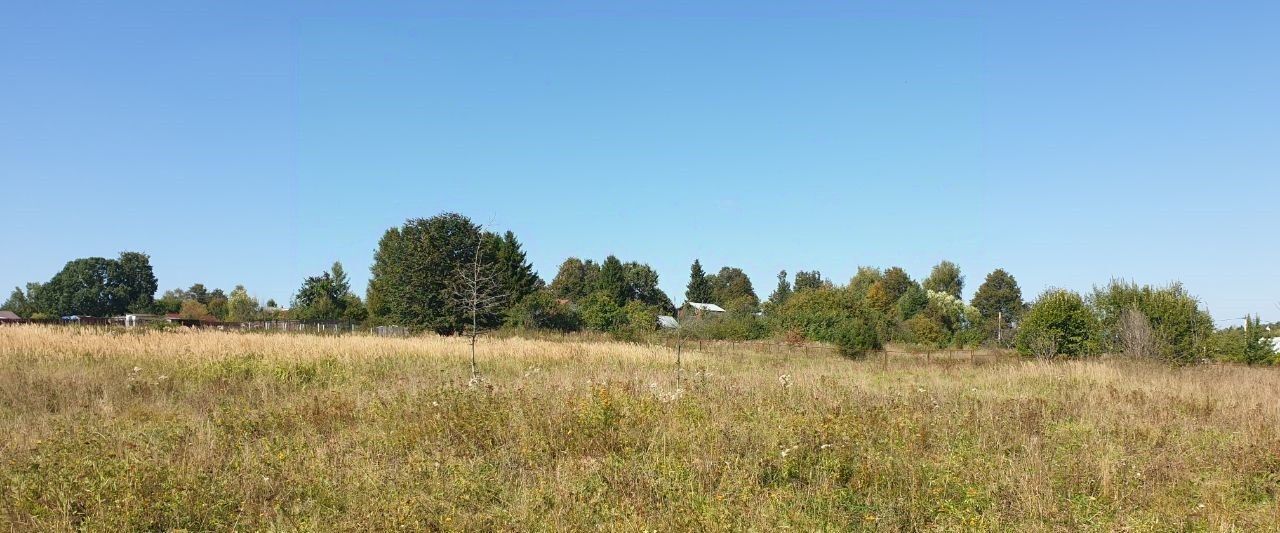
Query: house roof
[[669, 322], [9, 315], [705, 307]]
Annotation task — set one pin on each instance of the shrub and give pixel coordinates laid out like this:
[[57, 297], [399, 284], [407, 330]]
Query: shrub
[[600, 313], [1058, 323], [740, 326], [1178, 327], [855, 336], [924, 330], [638, 320], [831, 315], [541, 310], [1257, 350]]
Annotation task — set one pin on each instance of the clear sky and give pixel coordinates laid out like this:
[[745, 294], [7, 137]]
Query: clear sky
[[241, 144]]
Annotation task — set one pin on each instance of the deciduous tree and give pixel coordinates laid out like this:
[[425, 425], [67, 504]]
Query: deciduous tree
[[945, 277]]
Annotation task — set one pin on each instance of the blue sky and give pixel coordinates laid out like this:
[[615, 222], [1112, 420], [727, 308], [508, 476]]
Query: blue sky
[[239, 144]]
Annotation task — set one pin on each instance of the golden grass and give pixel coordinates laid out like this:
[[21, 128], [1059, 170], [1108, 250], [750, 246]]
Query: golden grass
[[207, 430]]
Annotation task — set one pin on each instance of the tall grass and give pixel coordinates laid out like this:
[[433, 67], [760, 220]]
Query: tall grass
[[207, 430]]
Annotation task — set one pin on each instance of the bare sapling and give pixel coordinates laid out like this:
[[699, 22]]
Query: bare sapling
[[477, 291]]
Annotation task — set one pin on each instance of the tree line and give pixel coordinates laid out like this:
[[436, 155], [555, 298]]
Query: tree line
[[419, 269]]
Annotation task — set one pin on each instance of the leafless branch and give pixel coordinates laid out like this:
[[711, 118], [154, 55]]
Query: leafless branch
[[477, 290]]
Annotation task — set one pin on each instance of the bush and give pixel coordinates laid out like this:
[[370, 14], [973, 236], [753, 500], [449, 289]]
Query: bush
[[924, 330], [737, 326], [541, 310], [1178, 327], [832, 315], [855, 337], [600, 313], [639, 320], [1257, 350], [1058, 323]]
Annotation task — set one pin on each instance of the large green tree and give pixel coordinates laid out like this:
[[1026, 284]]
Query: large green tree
[[699, 288], [642, 286], [1179, 324], [884, 293], [731, 289], [413, 268], [328, 296], [1058, 323], [782, 292], [418, 265], [809, 280], [575, 279], [241, 306], [516, 276], [860, 284], [133, 281], [23, 303], [945, 277], [999, 297], [96, 286], [613, 280]]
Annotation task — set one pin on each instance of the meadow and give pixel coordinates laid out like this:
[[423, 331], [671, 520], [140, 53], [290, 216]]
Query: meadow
[[114, 430]]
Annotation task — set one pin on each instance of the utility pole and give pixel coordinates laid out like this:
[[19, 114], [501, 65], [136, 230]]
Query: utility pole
[[999, 327]]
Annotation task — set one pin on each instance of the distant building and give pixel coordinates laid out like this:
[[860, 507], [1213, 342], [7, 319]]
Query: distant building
[[712, 308], [9, 316], [699, 310], [668, 322]]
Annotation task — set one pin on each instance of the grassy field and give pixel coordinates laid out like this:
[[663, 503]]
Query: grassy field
[[209, 431]]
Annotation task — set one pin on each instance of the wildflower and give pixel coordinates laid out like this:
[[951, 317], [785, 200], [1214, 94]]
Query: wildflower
[[920, 390], [825, 446], [787, 451]]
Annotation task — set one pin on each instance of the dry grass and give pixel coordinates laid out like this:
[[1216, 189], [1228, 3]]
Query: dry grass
[[203, 431]]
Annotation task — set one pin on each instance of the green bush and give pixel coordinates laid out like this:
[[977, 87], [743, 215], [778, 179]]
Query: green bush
[[737, 326], [1179, 325], [1058, 323], [638, 321], [924, 330], [837, 316], [856, 336], [541, 310], [599, 312]]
